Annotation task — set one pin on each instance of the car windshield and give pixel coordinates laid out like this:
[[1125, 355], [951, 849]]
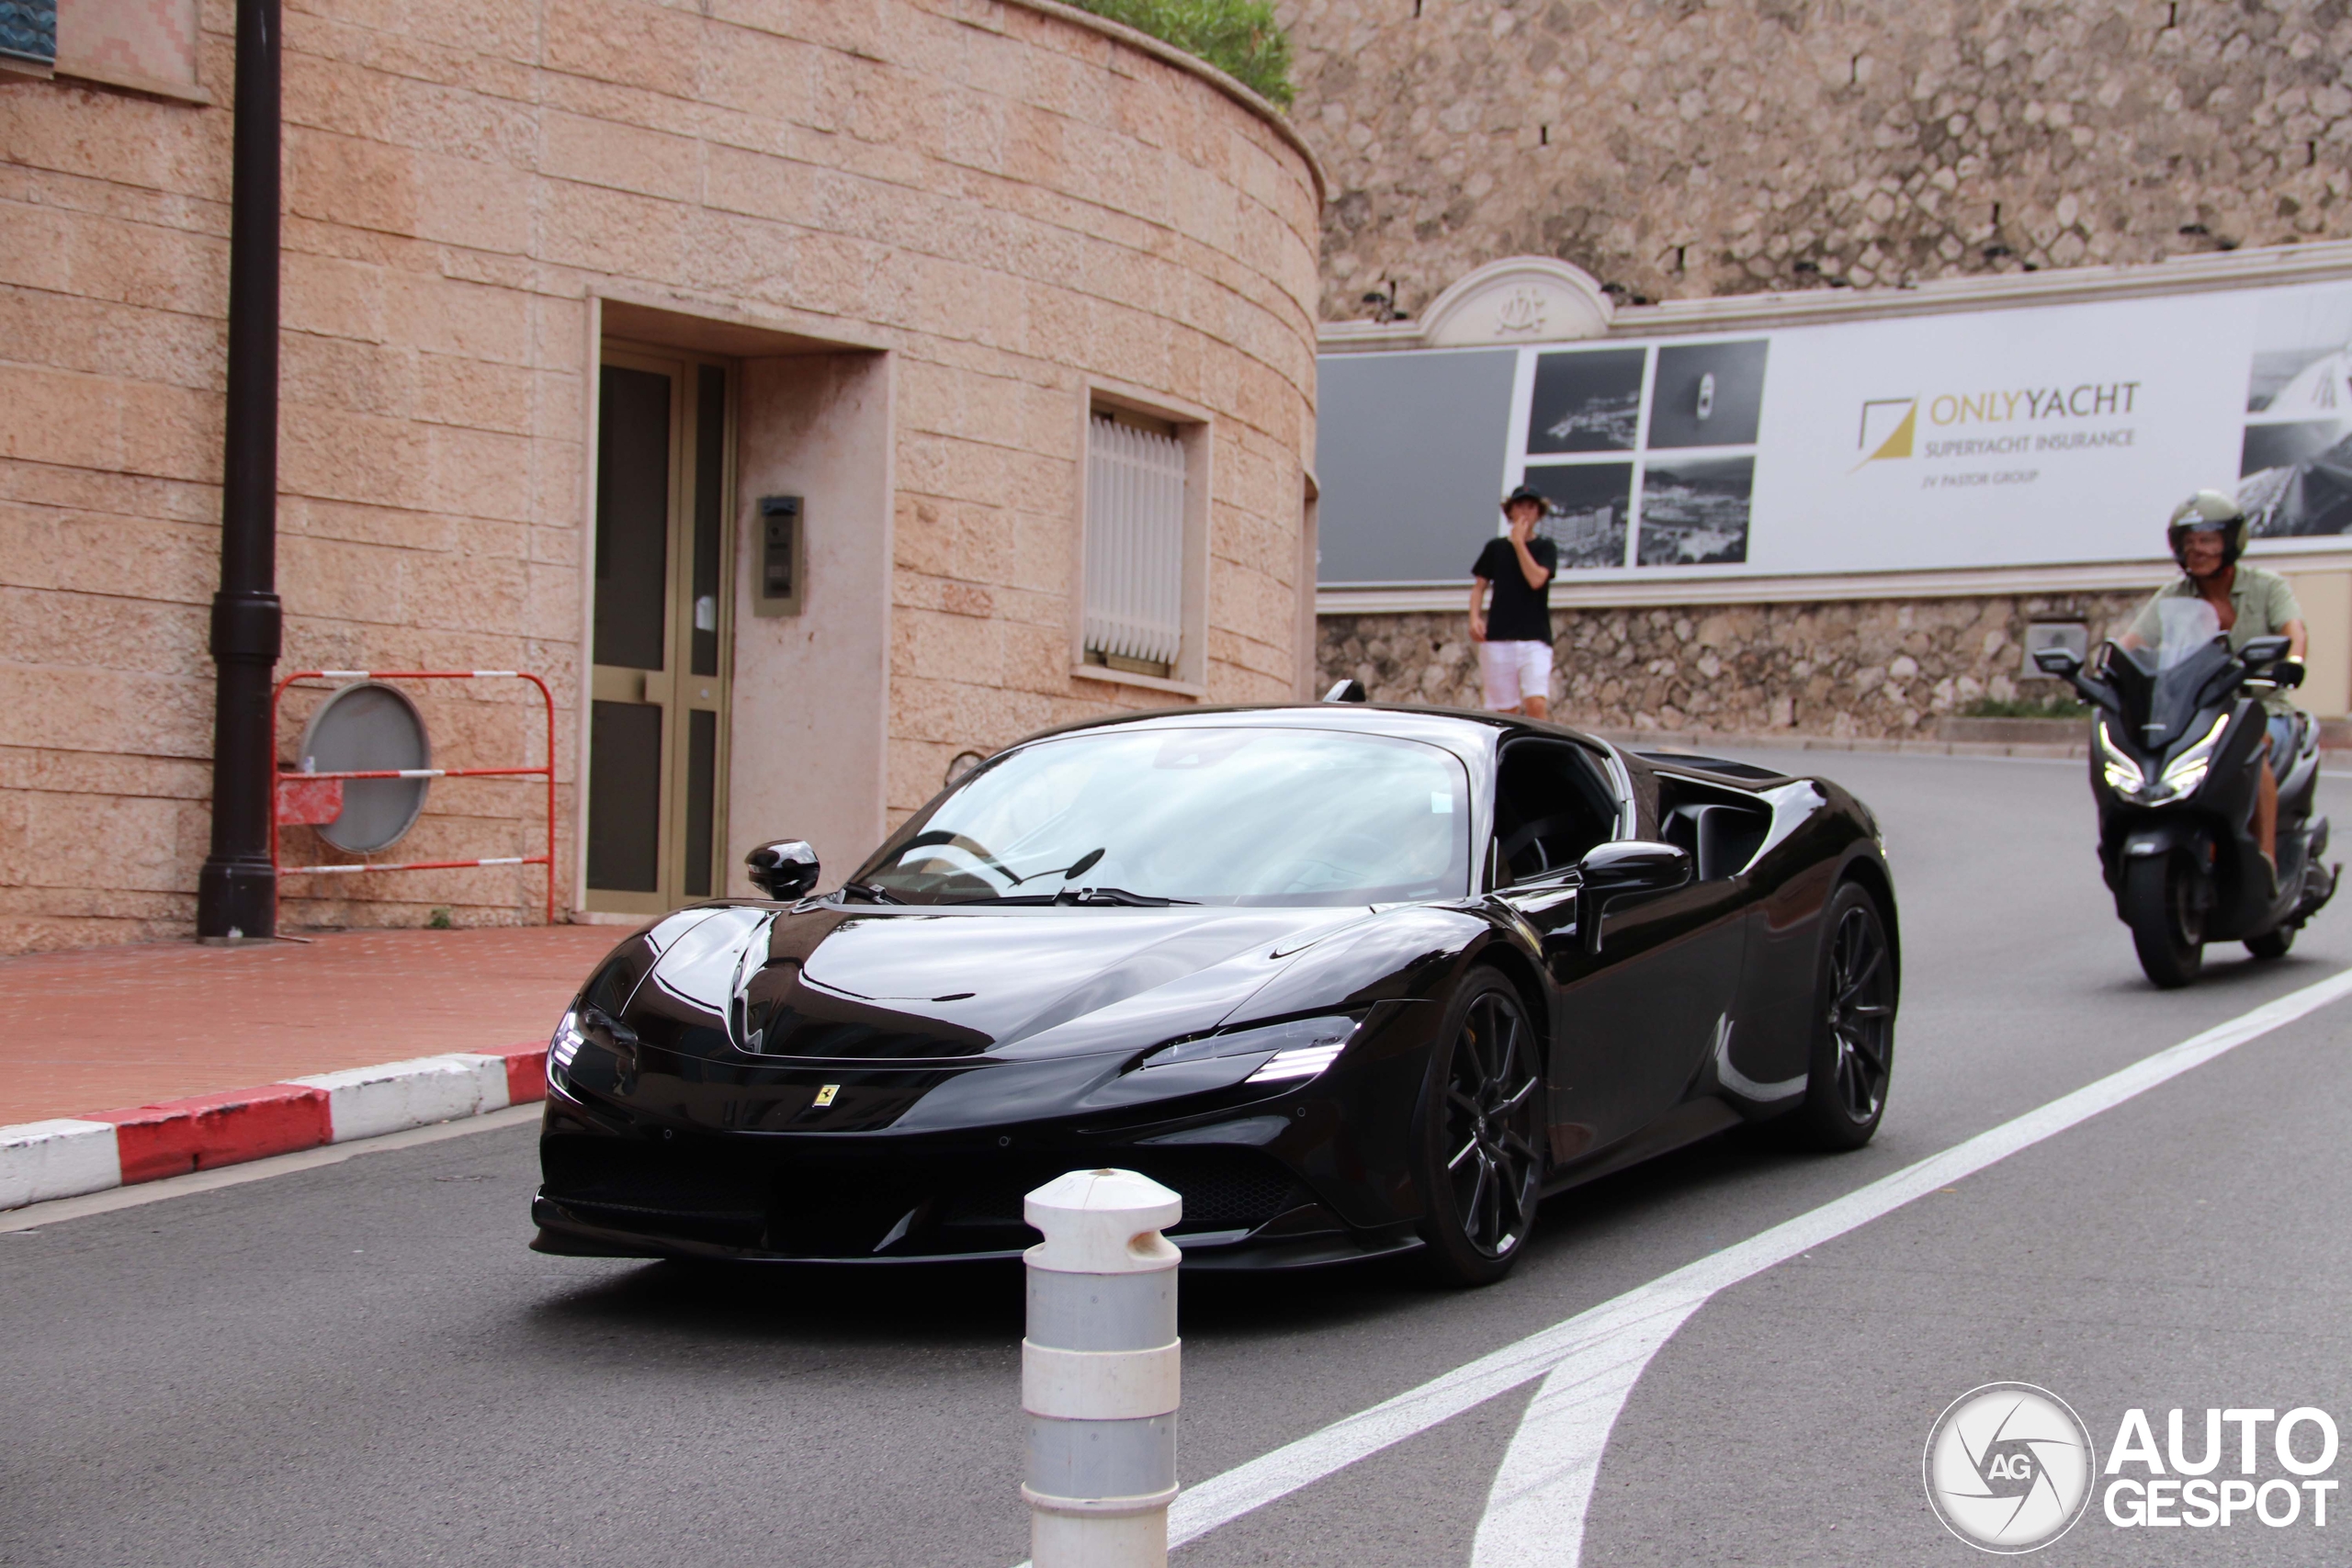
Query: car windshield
[[1206, 815]]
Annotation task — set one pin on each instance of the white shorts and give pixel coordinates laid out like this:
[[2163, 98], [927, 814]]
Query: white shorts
[[1513, 671]]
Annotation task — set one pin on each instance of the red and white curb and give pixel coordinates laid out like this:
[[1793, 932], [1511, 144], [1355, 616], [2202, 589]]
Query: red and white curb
[[71, 1156]]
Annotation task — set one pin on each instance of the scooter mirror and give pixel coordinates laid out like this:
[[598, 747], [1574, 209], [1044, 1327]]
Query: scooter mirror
[[2058, 662], [2261, 650]]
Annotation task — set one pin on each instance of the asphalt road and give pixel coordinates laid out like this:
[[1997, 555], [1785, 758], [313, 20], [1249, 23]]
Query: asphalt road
[[360, 1363]]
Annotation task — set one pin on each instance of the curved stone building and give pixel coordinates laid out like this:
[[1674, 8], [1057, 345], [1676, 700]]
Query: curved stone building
[[739, 371]]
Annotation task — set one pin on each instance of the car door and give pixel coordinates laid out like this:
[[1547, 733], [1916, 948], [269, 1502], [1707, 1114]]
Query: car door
[[1642, 1012], [1553, 801]]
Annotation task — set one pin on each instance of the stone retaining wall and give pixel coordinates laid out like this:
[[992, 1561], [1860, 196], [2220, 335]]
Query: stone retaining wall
[[1852, 669]]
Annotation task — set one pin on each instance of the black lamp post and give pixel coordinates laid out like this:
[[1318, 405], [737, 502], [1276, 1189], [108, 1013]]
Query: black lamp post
[[237, 892]]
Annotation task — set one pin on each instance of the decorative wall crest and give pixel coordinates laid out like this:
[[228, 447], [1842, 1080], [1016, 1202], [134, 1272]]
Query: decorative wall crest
[[1521, 312], [1520, 300]]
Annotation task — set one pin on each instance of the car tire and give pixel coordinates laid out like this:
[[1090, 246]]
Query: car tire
[[1851, 1060], [1480, 1138], [2167, 926]]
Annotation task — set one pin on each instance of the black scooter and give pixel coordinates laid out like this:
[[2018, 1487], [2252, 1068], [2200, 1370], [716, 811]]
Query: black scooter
[[2175, 763]]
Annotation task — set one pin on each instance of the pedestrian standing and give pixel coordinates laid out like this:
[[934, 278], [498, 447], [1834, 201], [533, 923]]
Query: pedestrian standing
[[1514, 637]]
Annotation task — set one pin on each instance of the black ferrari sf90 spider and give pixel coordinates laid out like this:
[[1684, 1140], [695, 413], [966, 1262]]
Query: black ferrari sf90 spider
[[1351, 979]]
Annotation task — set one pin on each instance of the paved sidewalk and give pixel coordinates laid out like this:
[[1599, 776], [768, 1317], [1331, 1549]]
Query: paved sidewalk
[[105, 1028]]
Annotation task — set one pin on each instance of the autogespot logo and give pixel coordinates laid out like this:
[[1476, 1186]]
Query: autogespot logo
[[2009, 1467]]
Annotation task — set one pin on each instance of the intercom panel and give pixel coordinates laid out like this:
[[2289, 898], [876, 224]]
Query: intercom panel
[[781, 566]]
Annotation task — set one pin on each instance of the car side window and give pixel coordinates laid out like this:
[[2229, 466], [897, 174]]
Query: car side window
[[1720, 830], [1552, 805]]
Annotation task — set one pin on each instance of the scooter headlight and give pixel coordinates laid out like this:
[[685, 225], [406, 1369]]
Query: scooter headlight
[[2122, 771]]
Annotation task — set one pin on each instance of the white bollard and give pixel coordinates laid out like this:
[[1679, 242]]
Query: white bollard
[[1099, 1370]]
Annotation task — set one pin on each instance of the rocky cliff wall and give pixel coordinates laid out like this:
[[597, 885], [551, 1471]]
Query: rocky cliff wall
[[1686, 147]]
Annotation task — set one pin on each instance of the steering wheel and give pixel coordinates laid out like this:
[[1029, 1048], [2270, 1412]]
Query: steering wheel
[[1530, 836]]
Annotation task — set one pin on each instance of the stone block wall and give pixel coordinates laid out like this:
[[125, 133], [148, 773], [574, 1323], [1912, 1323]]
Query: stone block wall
[[1007, 199], [1871, 668], [1680, 149]]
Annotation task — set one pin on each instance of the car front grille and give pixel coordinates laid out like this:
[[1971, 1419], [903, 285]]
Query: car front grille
[[1222, 1189], [722, 1193]]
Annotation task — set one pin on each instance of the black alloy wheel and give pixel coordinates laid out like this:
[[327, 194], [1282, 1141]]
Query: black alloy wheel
[[1853, 1046], [1482, 1132], [2164, 903]]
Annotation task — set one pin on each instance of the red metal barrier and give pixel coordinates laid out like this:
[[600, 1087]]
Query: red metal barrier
[[301, 798]]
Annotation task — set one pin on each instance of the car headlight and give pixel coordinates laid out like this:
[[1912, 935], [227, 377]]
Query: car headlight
[[563, 1045], [1300, 1048]]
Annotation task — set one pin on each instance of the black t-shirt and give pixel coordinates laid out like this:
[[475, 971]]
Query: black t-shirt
[[1518, 613]]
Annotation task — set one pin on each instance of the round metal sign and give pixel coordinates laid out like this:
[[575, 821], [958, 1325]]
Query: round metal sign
[[361, 726]]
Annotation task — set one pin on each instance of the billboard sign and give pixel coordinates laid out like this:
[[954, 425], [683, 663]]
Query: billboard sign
[[2025, 437]]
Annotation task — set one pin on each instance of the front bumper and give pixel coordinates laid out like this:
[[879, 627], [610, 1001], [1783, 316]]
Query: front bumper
[[1291, 1177], [755, 1200]]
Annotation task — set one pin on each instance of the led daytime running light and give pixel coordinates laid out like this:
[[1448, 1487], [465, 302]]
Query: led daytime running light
[[2122, 772], [1301, 1064], [564, 1044], [2198, 758]]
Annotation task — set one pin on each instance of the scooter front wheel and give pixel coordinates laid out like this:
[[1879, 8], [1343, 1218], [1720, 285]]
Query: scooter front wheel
[[2166, 917]]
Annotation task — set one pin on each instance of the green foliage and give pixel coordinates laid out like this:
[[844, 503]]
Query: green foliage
[[1239, 38], [440, 922], [2051, 706]]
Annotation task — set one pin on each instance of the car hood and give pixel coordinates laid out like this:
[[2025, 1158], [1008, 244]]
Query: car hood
[[821, 983]]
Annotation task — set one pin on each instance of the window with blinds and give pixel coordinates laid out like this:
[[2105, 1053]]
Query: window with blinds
[[1135, 549]]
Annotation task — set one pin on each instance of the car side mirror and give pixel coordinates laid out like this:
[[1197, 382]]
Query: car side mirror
[[785, 869], [2261, 650], [1625, 869], [2058, 662]]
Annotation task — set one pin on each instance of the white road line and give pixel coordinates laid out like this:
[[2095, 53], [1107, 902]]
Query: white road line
[[1590, 1362]]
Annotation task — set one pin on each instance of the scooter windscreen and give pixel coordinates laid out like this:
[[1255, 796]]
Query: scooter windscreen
[[2180, 666]]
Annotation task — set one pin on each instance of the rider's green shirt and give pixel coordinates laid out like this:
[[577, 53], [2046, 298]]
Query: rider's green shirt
[[2264, 602]]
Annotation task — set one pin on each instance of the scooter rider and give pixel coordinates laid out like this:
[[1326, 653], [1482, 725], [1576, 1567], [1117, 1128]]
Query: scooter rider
[[2207, 534]]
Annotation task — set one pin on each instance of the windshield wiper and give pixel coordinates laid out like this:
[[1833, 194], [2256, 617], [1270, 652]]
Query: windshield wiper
[[1069, 896], [1079, 867], [871, 893], [1116, 895]]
